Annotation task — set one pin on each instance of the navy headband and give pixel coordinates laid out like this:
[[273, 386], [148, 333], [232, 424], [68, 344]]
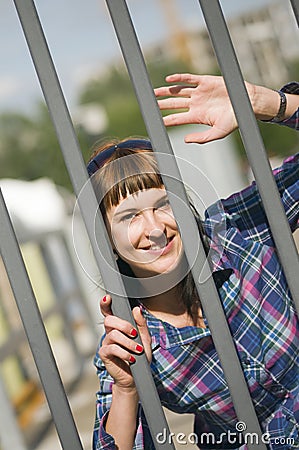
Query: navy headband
[[99, 160]]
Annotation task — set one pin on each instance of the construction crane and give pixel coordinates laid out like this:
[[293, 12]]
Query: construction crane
[[178, 36]]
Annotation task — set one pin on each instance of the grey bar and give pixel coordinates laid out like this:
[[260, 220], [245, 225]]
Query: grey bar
[[172, 179], [253, 144], [88, 205], [295, 6], [36, 334]]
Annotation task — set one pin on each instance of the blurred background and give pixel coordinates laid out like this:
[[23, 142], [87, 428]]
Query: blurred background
[[102, 103]]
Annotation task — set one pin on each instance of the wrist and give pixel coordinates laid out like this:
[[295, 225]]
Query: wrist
[[125, 392], [265, 103]]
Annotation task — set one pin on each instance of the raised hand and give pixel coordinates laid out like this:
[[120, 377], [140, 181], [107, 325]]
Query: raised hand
[[206, 100]]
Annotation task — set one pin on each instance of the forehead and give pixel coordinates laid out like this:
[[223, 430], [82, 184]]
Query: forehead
[[138, 200]]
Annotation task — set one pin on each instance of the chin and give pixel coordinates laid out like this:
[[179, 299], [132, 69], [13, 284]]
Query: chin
[[165, 267]]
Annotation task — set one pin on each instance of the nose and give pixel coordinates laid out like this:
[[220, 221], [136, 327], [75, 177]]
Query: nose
[[157, 236], [154, 226]]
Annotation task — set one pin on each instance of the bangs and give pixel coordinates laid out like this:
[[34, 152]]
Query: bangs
[[126, 173]]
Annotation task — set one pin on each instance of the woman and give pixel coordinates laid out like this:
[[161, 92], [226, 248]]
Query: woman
[[168, 315]]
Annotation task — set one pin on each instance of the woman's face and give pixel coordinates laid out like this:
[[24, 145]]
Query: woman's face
[[144, 232]]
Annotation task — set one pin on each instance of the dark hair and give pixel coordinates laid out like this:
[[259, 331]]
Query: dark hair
[[118, 180]]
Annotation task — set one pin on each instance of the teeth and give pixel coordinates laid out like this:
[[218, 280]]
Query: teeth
[[156, 247]]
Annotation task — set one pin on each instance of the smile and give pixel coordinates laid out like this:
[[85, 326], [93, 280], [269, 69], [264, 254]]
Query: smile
[[160, 249]]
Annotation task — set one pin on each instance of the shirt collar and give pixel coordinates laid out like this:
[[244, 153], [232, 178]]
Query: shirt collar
[[166, 335]]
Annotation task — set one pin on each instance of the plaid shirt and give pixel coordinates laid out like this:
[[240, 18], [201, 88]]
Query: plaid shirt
[[257, 303]]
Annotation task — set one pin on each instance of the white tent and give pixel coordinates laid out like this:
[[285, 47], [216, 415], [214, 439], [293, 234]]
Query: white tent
[[35, 207]]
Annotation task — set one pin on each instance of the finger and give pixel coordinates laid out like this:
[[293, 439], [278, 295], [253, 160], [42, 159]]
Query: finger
[[142, 326], [177, 90], [211, 134], [116, 323], [177, 119], [112, 351], [174, 103], [116, 337], [138, 316], [183, 78], [105, 305]]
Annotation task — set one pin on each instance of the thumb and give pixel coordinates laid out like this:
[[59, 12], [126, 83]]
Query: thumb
[[140, 320], [143, 331], [212, 134]]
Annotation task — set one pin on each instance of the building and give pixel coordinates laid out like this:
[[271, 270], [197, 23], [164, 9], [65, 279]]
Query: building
[[266, 42]]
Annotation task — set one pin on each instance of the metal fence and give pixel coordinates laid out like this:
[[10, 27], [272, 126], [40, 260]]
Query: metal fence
[[14, 264]]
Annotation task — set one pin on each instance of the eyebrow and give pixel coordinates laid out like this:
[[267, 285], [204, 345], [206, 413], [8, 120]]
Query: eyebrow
[[126, 211], [132, 210]]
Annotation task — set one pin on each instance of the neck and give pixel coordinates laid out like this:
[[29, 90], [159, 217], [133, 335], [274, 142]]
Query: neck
[[166, 302], [168, 307], [156, 284]]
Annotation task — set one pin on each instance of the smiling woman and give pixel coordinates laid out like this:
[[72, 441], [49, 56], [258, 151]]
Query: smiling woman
[[138, 216], [169, 319]]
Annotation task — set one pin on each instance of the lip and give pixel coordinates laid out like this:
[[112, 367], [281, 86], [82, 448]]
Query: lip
[[162, 251]]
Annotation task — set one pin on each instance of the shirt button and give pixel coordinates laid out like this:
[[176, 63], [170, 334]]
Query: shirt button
[[246, 362]]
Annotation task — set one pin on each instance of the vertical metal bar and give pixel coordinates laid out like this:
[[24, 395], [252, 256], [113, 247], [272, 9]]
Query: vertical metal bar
[[189, 231], [10, 434], [253, 143], [89, 207], [36, 334], [295, 6]]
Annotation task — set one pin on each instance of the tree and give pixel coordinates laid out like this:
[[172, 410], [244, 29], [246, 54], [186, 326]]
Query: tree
[[29, 148], [115, 93]]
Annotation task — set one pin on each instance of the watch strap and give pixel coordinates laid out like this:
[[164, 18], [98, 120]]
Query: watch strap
[[282, 107]]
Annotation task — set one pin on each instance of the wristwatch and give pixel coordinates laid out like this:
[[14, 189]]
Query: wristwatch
[[282, 108]]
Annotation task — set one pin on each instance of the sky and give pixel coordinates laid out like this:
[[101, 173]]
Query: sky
[[82, 41]]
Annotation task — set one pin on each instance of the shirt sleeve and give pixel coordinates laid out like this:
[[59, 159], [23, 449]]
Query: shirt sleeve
[[245, 210], [101, 439]]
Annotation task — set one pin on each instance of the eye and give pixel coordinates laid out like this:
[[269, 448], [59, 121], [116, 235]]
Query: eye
[[163, 204], [128, 216]]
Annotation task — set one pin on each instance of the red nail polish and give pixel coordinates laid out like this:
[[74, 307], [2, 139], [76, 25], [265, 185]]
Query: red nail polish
[[132, 360], [138, 348], [133, 333], [104, 299]]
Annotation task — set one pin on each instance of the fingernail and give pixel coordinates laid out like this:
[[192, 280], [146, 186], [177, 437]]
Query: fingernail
[[133, 332], [132, 360], [138, 348], [104, 299]]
